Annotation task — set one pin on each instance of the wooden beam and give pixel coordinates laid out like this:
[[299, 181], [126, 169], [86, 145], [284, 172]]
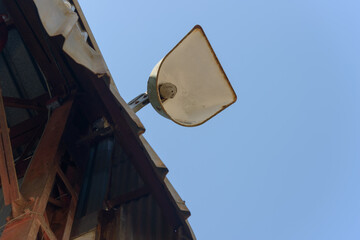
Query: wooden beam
[[63, 218], [44, 157], [48, 233], [67, 183], [22, 164], [139, 157], [9, 181], [21, 167], [128, 197], [27, 22], [56, 202], [69, 219], [39, 179], [127, 133], [44, 235], [103, 102], [22, 103], [24, 131], [27, 125], [31, 144]]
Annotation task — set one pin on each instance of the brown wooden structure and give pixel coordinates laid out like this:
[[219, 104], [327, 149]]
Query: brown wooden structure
[[73, 161]]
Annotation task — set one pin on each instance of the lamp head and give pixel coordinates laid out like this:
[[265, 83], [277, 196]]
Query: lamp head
[[188, 85]]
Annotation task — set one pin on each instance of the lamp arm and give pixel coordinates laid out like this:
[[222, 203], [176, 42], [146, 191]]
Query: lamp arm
[[139, 102]]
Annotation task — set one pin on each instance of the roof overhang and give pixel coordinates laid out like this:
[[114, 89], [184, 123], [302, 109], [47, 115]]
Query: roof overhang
[[59, 38]]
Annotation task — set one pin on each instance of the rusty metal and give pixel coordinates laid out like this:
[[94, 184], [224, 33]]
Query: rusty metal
[[139, 102]]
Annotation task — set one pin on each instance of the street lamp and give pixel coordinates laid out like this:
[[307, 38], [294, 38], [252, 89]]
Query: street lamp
[[188, 85]]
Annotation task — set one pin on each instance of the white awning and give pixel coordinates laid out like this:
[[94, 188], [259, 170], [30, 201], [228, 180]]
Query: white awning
[[59, 18]]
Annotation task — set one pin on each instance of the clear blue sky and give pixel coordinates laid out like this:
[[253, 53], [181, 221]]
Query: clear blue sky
[[283, 162]]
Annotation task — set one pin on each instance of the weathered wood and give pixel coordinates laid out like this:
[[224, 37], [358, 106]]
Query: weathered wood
[[63, 218], [67, 183], [9, 181], [128, 197], [21, 167], [39, 179], [31, 144], [44, 158], [45, 236], [23, 162], [141, 160], [27, 22], [45, 227], [22, 103], [69, 219], [64, 80], [127, 132], [17, 131], [56, 202], [23, 138], [25, 229], [103, 104]]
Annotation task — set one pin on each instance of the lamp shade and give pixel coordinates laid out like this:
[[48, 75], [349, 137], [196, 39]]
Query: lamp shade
[[188, 85]]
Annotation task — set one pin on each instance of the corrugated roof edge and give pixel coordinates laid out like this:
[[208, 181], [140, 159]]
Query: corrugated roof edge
[[157, 163], [112, 85]]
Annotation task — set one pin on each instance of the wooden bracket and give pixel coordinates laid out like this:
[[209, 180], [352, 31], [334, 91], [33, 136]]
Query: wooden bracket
[[23, 103], [9, 181], [39, 181]]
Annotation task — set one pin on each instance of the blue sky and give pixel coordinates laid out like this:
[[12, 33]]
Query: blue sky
[[281, 163]]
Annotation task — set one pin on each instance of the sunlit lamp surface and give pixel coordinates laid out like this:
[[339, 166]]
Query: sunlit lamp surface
[[203, 90]]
